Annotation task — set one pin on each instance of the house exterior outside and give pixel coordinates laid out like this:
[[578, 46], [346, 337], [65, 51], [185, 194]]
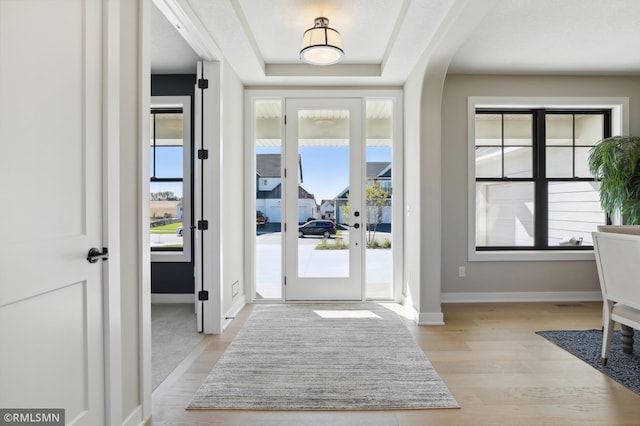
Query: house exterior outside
[[269, 191], [327, 209], [180, 210], [377, 171]]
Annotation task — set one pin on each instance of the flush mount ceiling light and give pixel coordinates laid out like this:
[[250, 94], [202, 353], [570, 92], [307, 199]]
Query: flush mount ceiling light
[[321, 45]]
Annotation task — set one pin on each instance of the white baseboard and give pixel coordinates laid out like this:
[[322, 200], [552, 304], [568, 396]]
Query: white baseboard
[[415, 314], [135, 418], [551, 296], [231, 313], [431, 318], [173, 298]]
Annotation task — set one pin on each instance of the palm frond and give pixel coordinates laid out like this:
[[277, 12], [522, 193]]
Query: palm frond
[[615, 161]]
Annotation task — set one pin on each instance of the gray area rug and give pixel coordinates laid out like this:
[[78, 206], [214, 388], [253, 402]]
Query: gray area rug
[[587, 345], [323, 357], [173, 337]]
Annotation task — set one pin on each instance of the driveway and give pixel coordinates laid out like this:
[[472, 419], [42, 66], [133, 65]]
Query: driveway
[[319, 263]]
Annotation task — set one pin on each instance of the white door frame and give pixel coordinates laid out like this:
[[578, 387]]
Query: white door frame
[[398, 207], [111, 200]]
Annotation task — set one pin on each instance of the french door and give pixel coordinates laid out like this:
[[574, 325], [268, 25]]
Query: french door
[[323, 206]]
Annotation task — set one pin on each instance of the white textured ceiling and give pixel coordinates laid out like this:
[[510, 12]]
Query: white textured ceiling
[[554, 37], [384, 39], [366, 25], [170, 53]]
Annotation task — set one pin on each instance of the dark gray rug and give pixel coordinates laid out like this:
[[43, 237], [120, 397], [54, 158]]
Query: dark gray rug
[[587, 345], [323, 357]]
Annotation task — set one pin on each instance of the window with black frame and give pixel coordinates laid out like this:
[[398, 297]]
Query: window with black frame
[[533, 189], [167, 190]]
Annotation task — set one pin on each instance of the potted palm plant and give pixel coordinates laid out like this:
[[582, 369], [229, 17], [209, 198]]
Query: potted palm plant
[[615, 162]]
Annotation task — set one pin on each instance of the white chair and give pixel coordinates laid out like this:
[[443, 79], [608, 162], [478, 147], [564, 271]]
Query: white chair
[[618, 263]]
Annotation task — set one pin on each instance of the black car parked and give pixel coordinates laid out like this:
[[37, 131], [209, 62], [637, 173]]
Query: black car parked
[[317, 227]]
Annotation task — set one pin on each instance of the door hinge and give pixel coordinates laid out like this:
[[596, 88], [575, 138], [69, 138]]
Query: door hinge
[[285, 227], [285, 120], [203, 154], [203, 83], [285, 172], [285, 280], [203, 225], [203, 295]]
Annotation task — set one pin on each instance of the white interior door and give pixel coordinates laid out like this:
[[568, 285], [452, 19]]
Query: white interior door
[[323, 161], [207, 196], [51, 297]]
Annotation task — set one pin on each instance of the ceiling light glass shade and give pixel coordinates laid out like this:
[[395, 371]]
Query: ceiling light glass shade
[[321, 45]]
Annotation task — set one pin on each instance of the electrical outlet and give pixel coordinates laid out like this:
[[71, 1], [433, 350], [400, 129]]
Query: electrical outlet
[[461, 272]]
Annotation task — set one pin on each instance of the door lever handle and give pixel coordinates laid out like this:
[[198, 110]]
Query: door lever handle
[[95, 254]]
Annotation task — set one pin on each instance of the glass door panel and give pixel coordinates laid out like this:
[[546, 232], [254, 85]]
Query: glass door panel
[[322, 242], [324, 222]]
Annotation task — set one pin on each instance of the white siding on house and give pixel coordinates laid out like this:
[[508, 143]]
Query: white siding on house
[[327, 210], [306, 209], [574, 211], [271, 208], [268, 184], [506, 216], [386, 214]]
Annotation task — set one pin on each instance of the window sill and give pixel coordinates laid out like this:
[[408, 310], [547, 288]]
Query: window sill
[[529, 255]]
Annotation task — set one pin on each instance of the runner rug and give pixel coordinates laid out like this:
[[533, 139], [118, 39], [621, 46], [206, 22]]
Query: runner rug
[[323, 357]]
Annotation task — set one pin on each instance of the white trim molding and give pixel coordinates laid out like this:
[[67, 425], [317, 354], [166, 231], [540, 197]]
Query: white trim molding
[[252, 95], [523, 296], [231, 314], [135, 418], [182, 17], [144, 238], [184, 103], [431, 318]]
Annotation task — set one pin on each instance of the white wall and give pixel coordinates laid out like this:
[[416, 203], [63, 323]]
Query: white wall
[[422, 155], [232, 202], [412, 194], [517, 276]]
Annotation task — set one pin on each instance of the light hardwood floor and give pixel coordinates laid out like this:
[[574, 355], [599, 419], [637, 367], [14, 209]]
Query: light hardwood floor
[[497, 368]]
